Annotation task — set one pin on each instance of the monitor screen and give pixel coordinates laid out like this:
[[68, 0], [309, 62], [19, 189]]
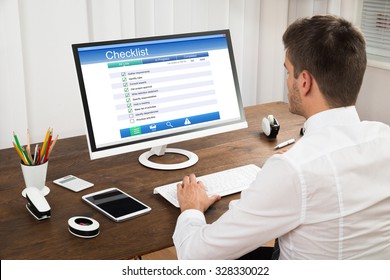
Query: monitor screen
[[150, 92]]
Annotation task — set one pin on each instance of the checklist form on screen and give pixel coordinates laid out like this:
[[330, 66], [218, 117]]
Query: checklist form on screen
[[156, 91]]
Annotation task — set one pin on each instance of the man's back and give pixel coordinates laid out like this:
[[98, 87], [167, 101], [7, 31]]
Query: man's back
[[342, 166]]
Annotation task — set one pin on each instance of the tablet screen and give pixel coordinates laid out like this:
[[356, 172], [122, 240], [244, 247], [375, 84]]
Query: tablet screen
[[116, 203]]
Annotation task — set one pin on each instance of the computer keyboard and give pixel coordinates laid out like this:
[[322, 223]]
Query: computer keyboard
[[223, 183]]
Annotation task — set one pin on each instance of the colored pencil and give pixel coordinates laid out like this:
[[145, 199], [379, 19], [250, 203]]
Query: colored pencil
[[20, 154]]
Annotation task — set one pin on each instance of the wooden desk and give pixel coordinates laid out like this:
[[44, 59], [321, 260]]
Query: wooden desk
[[23, 237]]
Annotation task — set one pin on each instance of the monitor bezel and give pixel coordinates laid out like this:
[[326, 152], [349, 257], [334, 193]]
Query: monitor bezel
[[161, 140]]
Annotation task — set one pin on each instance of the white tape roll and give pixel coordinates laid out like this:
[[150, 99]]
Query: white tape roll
[[83, 227]]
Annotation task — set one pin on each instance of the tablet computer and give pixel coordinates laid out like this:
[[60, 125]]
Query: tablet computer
[[116, 204]]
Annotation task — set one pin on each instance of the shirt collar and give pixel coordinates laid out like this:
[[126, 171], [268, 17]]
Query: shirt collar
[[336, 116]]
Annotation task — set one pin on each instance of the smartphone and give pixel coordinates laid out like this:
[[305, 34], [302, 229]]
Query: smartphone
[[116, 204]]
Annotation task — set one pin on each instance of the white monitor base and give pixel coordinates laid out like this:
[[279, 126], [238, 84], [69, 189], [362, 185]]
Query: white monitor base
[[159, 151]]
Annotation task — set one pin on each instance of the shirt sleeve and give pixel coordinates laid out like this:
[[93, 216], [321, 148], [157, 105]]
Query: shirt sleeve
[[269, 208]]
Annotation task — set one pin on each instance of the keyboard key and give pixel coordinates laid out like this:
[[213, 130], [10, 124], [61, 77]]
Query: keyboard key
[[223, 183]]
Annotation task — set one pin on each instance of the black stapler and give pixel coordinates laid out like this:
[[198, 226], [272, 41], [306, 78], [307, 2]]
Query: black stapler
[[37, 205]]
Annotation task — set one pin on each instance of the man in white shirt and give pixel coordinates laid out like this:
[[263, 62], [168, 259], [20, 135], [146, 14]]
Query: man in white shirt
[[328, 197]]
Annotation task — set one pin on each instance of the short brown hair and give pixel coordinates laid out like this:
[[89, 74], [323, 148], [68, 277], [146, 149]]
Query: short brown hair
[[333, 51]]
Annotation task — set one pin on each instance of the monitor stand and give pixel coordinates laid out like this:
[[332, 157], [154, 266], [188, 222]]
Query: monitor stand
[[160, 151]]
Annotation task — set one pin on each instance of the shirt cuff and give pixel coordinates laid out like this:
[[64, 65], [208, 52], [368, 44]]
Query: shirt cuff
[[191, 214]]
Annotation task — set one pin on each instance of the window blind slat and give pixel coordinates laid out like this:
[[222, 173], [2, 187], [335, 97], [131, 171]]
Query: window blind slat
[[375, 24]]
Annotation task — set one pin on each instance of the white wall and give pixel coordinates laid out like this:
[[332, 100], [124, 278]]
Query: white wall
[[39, 87], [38, 82], [374, 98], [13, 107]]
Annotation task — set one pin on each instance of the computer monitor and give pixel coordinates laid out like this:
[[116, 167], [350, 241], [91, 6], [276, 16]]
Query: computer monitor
[[150, 92]]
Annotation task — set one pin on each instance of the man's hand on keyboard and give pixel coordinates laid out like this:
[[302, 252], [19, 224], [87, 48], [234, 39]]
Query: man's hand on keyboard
[[191, 194]]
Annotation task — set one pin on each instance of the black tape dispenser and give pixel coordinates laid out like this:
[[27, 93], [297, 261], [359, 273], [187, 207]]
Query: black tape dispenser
[[270, 126], [37, 205]]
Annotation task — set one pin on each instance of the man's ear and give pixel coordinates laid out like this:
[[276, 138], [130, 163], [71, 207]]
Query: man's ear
[[305, 82]]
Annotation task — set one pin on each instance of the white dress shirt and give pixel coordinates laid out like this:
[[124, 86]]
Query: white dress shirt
[[328, 197]]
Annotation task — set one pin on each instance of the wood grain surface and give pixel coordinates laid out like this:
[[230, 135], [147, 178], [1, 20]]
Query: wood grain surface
[[24, 237]]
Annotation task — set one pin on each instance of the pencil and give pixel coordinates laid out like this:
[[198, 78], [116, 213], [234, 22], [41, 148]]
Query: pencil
[[28, 156], [44, 144], [17, 142], [52, 145], [35, 154], [39, 155], [47, 148], [20, 154]]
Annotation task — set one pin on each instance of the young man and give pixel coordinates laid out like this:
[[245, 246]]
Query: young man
[[328, 197]]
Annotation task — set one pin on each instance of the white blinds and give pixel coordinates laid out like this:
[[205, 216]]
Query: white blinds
[[375, 24]]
